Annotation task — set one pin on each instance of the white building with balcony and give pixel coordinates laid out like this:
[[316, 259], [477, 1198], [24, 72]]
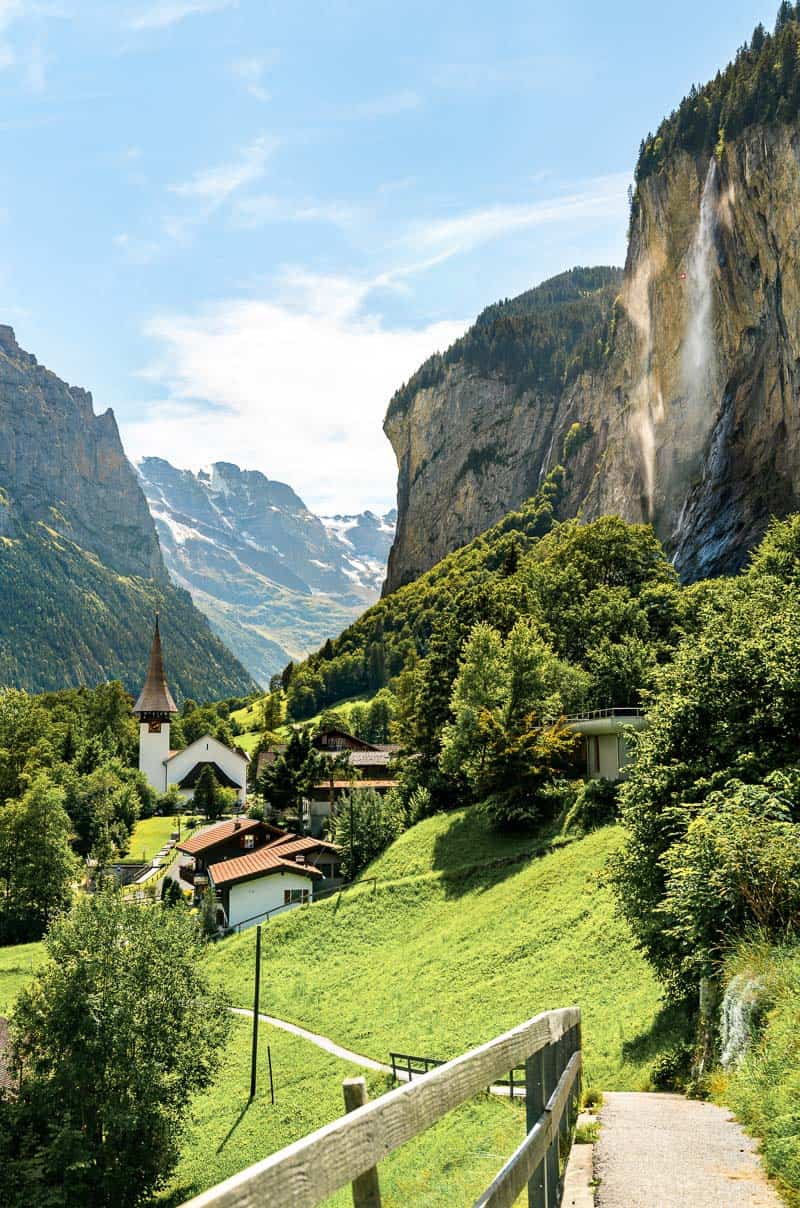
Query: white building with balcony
[[606, 743]]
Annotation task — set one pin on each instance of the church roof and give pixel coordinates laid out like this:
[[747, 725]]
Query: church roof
[[155, 696]]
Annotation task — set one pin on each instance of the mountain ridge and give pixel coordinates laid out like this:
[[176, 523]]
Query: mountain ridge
[[274, 579], [81, 571]]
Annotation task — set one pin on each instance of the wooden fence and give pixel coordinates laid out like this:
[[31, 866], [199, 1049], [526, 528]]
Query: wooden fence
[[349, 1149]]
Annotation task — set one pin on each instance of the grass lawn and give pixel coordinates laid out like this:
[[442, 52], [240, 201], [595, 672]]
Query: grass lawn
[[227, 1135], [247, 742], [150, 835], [448, 842], [435, 964], [18, 964]]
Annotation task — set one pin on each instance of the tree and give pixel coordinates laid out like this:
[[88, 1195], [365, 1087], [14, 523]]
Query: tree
[[366, 823], [207, 798], [506, 740], [293, 773], [37, 865], [120, 1028], [737, 868], [726, 712]]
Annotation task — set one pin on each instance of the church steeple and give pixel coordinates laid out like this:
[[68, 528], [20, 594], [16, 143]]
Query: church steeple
[[155, 701]]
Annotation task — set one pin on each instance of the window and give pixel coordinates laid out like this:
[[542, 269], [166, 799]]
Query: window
[[248, 842], [291, 896]]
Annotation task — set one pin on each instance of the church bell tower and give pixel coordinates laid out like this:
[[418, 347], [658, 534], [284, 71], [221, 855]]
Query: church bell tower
[[154, 709]]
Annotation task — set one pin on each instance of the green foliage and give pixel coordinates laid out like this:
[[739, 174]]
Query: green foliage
[[208, 798], [37, 866], [539, 341], [293, 773], [726, 711], [119, 1029], [737, 867], [506, 739], [366, 823], [68, 619], [764, 1089], [760, 86], [594, 804]]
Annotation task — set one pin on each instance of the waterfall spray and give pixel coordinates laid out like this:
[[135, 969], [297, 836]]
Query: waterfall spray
[[699, 361]]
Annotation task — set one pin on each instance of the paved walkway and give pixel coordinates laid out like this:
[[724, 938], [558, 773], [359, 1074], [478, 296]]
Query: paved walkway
[[664, 1151], [367, 1063]]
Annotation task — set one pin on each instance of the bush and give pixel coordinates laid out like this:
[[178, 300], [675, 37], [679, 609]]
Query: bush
[[671, 1070], [594, 804]]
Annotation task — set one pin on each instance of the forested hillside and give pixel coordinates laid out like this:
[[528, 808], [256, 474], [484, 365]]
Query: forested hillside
[[70, 620], [541, 339]]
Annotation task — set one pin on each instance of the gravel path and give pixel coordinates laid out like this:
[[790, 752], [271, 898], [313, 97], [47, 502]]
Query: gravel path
[[664, 1151]]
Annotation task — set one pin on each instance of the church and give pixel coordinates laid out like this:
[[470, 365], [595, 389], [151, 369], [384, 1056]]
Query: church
[[163, 766]]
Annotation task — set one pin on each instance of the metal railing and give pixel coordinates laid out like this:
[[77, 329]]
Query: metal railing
[[596, 714], [348, 1150]]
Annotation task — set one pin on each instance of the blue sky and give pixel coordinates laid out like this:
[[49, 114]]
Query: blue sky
[[242, 223]]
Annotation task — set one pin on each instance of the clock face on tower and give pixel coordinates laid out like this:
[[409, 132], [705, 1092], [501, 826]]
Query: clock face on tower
[[154, 727]]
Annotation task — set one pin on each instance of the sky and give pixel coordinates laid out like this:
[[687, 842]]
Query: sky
[[243, 224]]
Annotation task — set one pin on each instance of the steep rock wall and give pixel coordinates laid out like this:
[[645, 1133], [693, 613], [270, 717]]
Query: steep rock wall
[[694, 421]]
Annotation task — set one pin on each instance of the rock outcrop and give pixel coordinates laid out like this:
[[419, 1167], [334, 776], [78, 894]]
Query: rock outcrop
[[65, 466]]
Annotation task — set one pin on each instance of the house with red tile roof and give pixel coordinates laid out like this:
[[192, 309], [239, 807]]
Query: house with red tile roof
[[256, 887]]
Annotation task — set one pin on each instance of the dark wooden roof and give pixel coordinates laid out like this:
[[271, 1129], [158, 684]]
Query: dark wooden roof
[[223, 831], [155, 696]]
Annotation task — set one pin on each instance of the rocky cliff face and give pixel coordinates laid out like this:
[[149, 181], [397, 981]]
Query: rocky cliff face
[[65, 466], [274, 579], [81, 571], [692, 422]]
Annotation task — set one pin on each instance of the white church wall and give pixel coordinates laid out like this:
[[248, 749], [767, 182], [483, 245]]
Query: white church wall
[[153, 750], [209, 750]]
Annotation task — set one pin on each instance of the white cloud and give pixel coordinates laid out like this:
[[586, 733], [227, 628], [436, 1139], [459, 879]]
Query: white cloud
[[170, 12], [214, 185], [250, 73], [302, 383], [603, 197], [260, 209]]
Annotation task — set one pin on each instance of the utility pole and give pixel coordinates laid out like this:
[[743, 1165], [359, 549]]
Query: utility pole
[[256, 1004]]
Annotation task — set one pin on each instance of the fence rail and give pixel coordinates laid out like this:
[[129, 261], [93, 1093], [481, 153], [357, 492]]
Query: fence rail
[[348, 1150]]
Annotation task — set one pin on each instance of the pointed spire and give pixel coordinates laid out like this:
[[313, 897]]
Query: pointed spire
[[155, 696]]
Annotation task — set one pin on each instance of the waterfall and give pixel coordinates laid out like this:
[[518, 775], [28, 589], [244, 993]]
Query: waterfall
[[742, 1010], [699, 360]]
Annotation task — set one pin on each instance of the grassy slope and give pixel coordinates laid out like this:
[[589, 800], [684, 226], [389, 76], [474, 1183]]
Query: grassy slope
[[17, 965], [434, 964]]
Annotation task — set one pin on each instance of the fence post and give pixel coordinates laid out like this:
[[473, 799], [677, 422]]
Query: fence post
[[551, 1159], [366, 1189], [535, 1099]]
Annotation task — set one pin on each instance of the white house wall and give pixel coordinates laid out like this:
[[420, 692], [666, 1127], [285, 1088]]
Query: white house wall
[[253, 898], [209, 750]]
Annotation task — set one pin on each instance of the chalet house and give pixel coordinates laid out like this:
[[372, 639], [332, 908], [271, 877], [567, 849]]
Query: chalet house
[[256, 869], [605, 747], [253, 888], [162, 766], [227, 840]]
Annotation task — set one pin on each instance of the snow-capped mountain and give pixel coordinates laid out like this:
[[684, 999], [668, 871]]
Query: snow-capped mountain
[[274, 579]]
